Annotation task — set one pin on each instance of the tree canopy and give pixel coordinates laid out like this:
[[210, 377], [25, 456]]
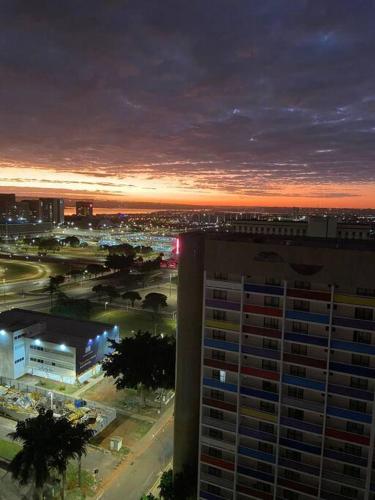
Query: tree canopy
[[132, 296], [155, 301], [119, 262]]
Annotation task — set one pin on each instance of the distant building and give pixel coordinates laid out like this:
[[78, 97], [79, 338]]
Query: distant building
[[50, 346], [19, 229], [275, 383], [84, 208], [7, 205], [29, 209], [52, 210]]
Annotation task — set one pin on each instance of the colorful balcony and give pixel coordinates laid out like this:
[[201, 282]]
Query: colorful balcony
[[261, 415], [253, 493], [212, 382], [219, 424], [356, 324], [304, 338], [217, 462], [348, 436], [361, 371], [221, 405], [353, 347], [262, 332], [209, 496], [357, 416], [222, 325], [354, 300], [309, 317], [224, 284], [298, 445], [221, 365], [218, 481], [299, 466], [345, 457], [256, 393], [305, 361], [253, 433], [264, 289], [302, 425], [351, 392], [224, 444], [304, 382], [223, 304], [221, 344], [259, 373], [299, 293], [257, 474], [304, 404], [259, 455], [303, 488], [263, 310], [261, 353]]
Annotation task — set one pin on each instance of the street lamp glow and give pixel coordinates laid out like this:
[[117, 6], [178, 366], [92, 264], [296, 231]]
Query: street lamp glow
[[63, 347]]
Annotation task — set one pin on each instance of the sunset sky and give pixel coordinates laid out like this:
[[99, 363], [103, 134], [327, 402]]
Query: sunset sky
[[210, 102]]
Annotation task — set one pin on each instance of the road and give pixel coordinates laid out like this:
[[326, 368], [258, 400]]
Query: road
[[138, 474]]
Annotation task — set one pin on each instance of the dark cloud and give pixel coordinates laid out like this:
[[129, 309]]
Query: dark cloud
[[228, 93]]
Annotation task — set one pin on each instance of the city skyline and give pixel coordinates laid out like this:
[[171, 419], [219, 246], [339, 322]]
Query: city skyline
[[246, 104]]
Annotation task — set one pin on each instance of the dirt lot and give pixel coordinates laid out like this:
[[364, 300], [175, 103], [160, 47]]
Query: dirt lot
[[129, 428]]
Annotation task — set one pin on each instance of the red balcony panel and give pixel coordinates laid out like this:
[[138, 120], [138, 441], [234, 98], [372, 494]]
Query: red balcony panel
[[304, 360], [264, 332], [348, 436], [308, 294], [267, 311], [219, 404], [254, 493], [304, 488], [256, 372], [216, 363], [217, 461]]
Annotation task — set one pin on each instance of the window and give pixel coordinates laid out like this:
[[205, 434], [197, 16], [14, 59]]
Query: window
[[265, 427], [353, 449], [265, 447], [292, 475], [271, 301], [301, 350], [355, 428], [294, 435], [301, 305], [223, 376], [220, 294], [213, 471], [219, 395], [273, 281], [359, 383], [217, 414], [216, 374], [215, 490], [363, 313], [218, 335], [295, 392], [269, 365], [358, 405], [264, 468], [215, 433], [271, 323], [297, 371], [347, 491], [262, 486], [358, 359], [214, 452], [269, 386], [362, 337], [219, 315], [293, 455], [295, 413], [19, 360], [369, 292], [220, 355], [268, 407], [299, 327], [305, 285], [350, 470], [270, 344]]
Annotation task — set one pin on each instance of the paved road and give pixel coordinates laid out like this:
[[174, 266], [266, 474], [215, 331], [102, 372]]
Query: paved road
[[137, 475]]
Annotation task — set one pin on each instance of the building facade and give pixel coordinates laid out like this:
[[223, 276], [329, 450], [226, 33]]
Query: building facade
[[7, 205], [84, 208], [276, 367], [49, 346], [52, 210]]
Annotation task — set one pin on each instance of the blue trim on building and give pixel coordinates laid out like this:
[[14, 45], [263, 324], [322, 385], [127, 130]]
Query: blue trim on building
[[260, 455], [351, 392], [270, 396], [299, 466], [250, 432], [297, 445], [353, 347], [304, 382], [246, 471], [266, 289], [306, 339], [221, 344], [362, 371], [357, 324], [263, 353], [209, 496], [302, 425], [345, 457], [334, 411], [210, 382], [322, 319]]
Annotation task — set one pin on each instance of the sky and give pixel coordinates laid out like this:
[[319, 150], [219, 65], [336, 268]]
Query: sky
[[214, 102]]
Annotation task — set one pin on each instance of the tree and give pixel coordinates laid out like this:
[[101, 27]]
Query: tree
[[124, 249], [154, 301], [72, 308], [177, 487], [131, 296], [53, 285], [166, 485], [141, 361], [119, 262], [72, 241], [95, 269], [46, 244]]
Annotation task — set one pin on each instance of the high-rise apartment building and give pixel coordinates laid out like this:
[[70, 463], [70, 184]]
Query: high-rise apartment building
[[52, 210], [7, 205], [276, 367], [84, 208]]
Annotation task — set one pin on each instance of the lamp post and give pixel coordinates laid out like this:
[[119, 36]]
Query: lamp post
[[105, 305]]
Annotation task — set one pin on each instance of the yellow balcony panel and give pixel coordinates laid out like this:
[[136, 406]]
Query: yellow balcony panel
[[354, 300], [262, 415], [223, 325]]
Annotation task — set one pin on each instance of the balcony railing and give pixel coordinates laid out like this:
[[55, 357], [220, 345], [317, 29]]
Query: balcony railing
[[257, 474], [221, 365], [221, 344], [260, 352], [304, 382], [218, 403], [305, 360], [263, 332], [351, 392], [304, 338], [353, 347], [263, 310], [309, 317], [223, 304], [304, 404], [358, 324], [222, 325], [299, 293], [212, 382], [343, 478], [224, 284], [301, 425], [299, 466], [220, 481], [357, 416], [348, 436], [257, 393], [218, 443], [219, 424], [254, 433], [298, 445], [345, 457], [259, 455], [362, 371], [264, 289]]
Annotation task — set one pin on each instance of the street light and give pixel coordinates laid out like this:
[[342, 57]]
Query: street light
[[105, 305]]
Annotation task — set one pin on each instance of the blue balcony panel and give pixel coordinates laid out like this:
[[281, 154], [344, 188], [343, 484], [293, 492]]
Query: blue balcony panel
[[260, 455], [297, 445], [358, 324], [265, 289], [210, 382], [221, 344], [302, 425], [345, 457], [270, 396], [361, 371], [209, 496], [304, 382], [223, 304], [299, 466], [262, 353], [334, 411], [353, 347], [250, 432], [246, 471], [351, 392], [322, 319], [306, 339]]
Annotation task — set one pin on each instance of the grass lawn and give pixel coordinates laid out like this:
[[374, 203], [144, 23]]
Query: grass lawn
[[132, 321], [72, 490], [130, 429], [53, 385], [13, 270], [8, 449]]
